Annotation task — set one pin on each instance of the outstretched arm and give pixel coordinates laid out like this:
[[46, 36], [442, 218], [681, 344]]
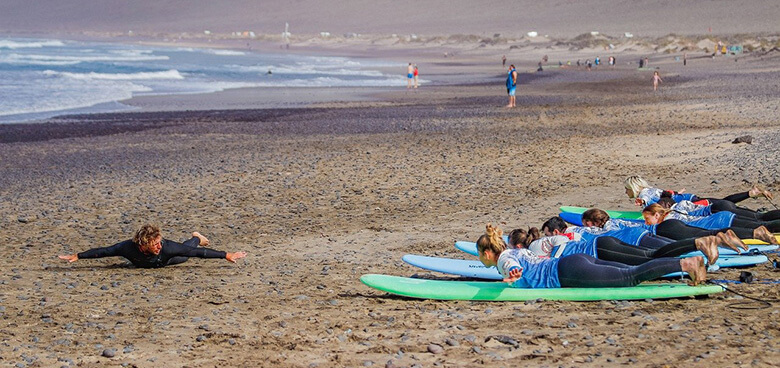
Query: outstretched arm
[[111, 251]]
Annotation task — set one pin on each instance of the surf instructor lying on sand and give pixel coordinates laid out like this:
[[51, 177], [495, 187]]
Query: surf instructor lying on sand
[[148, 249]]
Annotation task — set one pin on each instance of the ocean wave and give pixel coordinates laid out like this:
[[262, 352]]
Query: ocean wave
[[305, 69], [21, 60], [88, 58], [224, 52], [74, 98], [10, 44], [168, 74]]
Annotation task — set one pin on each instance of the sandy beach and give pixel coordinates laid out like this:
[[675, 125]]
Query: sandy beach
[[321, 194], [322, 185]]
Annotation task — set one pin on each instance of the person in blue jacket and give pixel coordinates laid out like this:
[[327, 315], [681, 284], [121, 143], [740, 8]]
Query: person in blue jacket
[[521, 268], [656, 214], [511, 85]]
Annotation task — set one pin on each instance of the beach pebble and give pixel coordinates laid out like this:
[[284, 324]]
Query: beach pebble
[[128, 349], [390, 364], [200, 338], [368, 363], [476, 350], [109, 353], [571, 325], [451, 342], [435, 349]]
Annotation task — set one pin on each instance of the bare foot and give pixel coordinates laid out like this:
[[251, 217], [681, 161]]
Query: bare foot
[[732, 241], [709, 246], [204, 242], [763, 234], [694, 266], [757, 191]]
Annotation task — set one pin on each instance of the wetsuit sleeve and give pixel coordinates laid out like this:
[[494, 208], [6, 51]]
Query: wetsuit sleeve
[[175, 249], [112, 251]]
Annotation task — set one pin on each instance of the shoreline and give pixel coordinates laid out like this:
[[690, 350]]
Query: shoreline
[[441, 65]]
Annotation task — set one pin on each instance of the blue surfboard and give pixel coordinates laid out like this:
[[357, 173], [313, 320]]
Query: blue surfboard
[[476, 269]]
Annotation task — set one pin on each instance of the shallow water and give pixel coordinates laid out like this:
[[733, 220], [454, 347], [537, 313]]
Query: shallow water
[[46, 77]]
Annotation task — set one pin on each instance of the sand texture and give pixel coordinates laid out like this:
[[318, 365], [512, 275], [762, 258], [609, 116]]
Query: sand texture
[[319, 195]]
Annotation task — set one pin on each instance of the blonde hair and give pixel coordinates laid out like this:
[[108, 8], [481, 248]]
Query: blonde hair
[[655, 208], [146, 234], [635, 183], [491, 240]]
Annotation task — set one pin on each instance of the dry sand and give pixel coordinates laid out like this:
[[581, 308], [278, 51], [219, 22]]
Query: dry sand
[[320, 195]]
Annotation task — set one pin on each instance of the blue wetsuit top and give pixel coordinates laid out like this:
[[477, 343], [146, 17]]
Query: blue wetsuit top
[[586, 245], [170, 249], [536, 272], [509, 83], [718, 220]]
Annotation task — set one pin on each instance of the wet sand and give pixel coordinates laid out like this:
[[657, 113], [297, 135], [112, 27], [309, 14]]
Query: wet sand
[[320, 195]]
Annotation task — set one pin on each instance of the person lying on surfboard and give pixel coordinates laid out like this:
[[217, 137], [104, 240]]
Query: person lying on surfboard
[[522, 268], [659, 234], [633, 233], [655, 214], [148, 249], [644, 195], [607, 247]]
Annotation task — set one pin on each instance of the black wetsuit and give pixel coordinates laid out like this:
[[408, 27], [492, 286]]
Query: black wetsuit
[[170, 254], [614, 250]]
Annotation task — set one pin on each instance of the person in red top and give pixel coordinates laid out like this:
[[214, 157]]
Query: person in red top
[[415, 76]]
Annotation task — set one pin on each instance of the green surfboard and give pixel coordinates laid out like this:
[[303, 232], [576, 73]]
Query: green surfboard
[[628, 215], [500, 291]]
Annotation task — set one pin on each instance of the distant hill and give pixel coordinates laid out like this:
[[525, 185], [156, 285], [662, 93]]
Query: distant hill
[[484, 17]]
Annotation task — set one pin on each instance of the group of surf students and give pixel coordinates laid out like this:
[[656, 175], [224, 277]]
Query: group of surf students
[[604, 252], [607, 252]]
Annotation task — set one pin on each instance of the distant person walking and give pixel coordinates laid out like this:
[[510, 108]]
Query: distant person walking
[[416, 80], [503, 61], [685, 59], [409, 76], [647, 62], [656, 79], [511, 85]]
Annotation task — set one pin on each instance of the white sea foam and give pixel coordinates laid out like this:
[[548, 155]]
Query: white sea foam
[[22, 60], [225, 52], [77, 94], [87, 58], [10, 44], [168, 75]]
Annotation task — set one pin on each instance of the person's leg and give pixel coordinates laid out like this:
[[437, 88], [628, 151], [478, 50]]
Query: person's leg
[[737, 197], [773, 226], [581, 270], [192, 242], [654, 241], [678, 230], [721, 205], [614, 250]]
